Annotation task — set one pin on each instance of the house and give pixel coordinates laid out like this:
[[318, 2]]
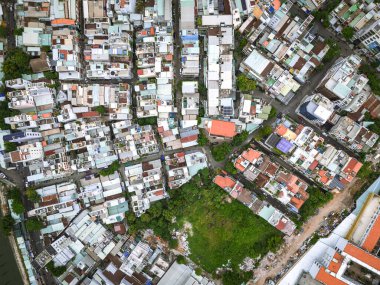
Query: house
[[217, 129]]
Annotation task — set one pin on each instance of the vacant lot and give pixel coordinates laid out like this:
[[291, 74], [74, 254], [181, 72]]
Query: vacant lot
[[223, 231]]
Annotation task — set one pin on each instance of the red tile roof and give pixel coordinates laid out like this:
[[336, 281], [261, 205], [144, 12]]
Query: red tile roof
[[251, 155], [363, 256], [373, 236], [335, 263], [222, 129], [353, 167], [224, 181], [328, 279]]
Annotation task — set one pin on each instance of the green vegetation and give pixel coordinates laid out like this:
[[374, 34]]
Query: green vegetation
[[317, 198], [202, 138], [238, 51], [6, 224], [229, 167], [18, 31], [46, 48], [16, 63], [348, 33], [10, 146], [55, 270], [3, 32], [17, 206], [181, 260], [221, 229], [244, 84], [147, 121], [198, 271], [333, 52], [199, 21], [32, 194], [373, 76], [240, 138], [263, 132], [34, 224], [273, 113], [52, 75], [221, 151], [110, 169], [140, 5], [4, 113], [367, 172], [202, 90], [101, 110], [322, 14]]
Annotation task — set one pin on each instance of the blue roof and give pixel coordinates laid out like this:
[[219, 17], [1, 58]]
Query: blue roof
[[284, 145]]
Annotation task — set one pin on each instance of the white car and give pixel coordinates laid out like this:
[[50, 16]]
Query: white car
[[2, 175]]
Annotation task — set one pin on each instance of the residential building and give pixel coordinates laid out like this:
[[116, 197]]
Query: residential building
[[355, 136], [146, 183], [133, 142], [221, 130], [344, 85], [316, 108], [177, 171]]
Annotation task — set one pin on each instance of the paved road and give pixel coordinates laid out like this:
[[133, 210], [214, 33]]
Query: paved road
[[11, 23]]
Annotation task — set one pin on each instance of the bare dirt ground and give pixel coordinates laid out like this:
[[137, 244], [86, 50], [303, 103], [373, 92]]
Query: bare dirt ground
[[292, 244]]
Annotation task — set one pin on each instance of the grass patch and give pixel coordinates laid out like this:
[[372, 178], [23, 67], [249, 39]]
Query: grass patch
[[222, 231]]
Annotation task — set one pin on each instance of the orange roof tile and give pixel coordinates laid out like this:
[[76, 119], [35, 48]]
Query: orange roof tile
[[222, 129], [373, 236], [281, 130], [224, 181], [328, 279], [276, 4], [74, 87], [238, 165], [353, 166], [46, 115], [297, 202], [363, 256], [251, 155], [335, 263], [68, 22]]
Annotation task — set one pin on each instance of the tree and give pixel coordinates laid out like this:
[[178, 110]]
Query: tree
[[55, 270], [18, 31], [16, 63], [333, 52], [114, 166], [3, 32], [4, 113], [348, 32], [230, 168], [34, 224], [9, 146], [181, 259], [221, 151], [263, 133], [202, 138], [147, 121], [140, 5], [101, 110], [244, 83], [32, 194], [51, 75], [273, 113], [373, 77], [17, 206], [198, 271], [6, 224], [240, 138]]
